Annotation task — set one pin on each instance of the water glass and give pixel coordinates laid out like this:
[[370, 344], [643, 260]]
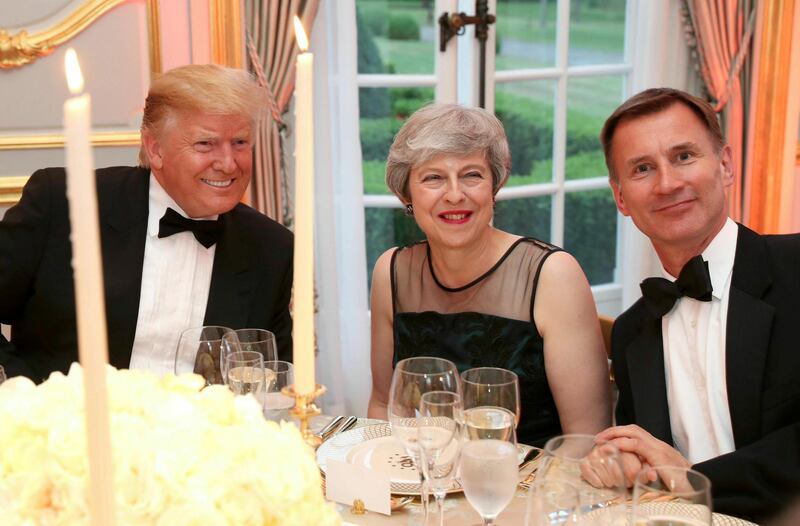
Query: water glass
[[678, 497], [489, 475], [439, 428], [279, 374], [246, 374], [491, 403], [573, 458], [199, 351], [552, 503]]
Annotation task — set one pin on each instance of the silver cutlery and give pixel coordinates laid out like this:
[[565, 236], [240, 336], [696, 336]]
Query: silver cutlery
[[328, 430]]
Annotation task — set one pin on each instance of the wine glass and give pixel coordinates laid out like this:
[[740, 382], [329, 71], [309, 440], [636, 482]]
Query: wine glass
[[246, 373], [551, 503], [678, 496], [577, 460], [491, 403], [439, 434], [199, 351], [412, 378], [276, 404], [260, 340]]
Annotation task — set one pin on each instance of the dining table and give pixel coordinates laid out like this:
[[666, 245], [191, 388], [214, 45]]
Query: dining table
[[457, 511]]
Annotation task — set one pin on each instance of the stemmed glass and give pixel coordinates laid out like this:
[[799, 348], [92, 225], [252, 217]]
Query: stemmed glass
[[552, 503], [277, 404], [489, 473], [679, 496], [439, 428], [412, 378], [491, 403], [594, 468], [200, 350], [260, 340], [246, 373]]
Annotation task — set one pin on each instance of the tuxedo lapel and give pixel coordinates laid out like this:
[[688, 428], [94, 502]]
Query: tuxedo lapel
[[123, 201], [232, 278], [645, 357], [747, 336]]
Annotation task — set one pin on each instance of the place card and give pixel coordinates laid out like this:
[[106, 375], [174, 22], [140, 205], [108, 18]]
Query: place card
[[344, 483]]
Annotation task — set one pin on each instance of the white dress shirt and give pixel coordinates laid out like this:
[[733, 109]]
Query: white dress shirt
[[694, 359], [176, 276]]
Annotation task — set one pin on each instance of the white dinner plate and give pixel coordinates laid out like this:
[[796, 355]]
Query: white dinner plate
[[374, 447]]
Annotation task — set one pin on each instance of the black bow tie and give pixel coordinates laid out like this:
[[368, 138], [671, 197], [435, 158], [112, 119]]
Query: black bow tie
[[206, 232], [694, 281]]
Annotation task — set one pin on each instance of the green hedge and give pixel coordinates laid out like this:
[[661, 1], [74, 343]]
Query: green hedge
[[590, 229], [403, 27]]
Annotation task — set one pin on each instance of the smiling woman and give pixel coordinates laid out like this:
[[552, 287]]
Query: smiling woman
[[477, 295]]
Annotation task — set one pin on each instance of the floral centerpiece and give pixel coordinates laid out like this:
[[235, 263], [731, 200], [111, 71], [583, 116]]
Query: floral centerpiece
[[182, 456]]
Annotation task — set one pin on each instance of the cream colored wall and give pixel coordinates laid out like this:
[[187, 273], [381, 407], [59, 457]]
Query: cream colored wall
[[114, 56]]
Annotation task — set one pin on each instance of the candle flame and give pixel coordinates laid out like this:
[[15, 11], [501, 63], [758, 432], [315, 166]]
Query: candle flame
[[300, 34], [74, 75]]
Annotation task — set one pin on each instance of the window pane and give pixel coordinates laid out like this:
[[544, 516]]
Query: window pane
[[590, 100], [590, 233], [383, 111], [526, 34], [596, 32], [527, 216], [526, 110], [395, 36], [386, 228]]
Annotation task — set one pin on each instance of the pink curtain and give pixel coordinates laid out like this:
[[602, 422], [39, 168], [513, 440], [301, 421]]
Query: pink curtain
[[272, 52], [722, 31]]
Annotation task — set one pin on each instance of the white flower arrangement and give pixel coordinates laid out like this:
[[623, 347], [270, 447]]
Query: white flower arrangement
[[182, 456]]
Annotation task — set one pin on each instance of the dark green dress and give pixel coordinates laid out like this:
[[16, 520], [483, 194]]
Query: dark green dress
[[486, 323]]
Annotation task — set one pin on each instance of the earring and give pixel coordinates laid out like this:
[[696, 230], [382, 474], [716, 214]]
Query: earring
[[409, 209]]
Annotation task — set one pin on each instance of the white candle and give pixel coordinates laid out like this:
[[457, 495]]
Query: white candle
[[303, 301], [90, 308]]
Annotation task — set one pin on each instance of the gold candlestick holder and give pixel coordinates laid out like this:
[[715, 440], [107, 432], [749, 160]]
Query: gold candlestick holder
[[304, 410]]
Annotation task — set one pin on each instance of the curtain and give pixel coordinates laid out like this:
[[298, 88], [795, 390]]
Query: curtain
[[721, 33], [271, 56]]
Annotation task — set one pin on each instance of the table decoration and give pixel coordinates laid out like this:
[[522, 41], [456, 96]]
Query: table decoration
[[183, 455], [87, 265]]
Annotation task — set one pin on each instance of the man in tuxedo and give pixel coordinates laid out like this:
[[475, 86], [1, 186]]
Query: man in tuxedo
[[179, 249], [706, 364]]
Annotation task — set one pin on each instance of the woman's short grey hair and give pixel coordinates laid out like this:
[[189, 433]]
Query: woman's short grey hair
[[446, 128]]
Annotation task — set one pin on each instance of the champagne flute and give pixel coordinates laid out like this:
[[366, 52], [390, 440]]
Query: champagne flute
[[678, 496], [279, 374], [412, 378], [200, 350], [577, 460], [246, 373], [438, 434], [491, 403]]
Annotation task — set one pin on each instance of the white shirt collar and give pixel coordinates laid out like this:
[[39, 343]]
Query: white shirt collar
[[720, 254], [160, 200]]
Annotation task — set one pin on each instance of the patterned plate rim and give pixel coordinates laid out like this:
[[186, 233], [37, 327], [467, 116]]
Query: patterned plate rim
[[340, 445]]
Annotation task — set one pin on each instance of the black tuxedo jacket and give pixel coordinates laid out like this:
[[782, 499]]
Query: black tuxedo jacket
[[250, 283], [762, 376]]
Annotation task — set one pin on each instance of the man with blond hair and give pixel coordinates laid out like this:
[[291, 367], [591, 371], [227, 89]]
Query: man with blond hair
[[707, 362], [179, 249]]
